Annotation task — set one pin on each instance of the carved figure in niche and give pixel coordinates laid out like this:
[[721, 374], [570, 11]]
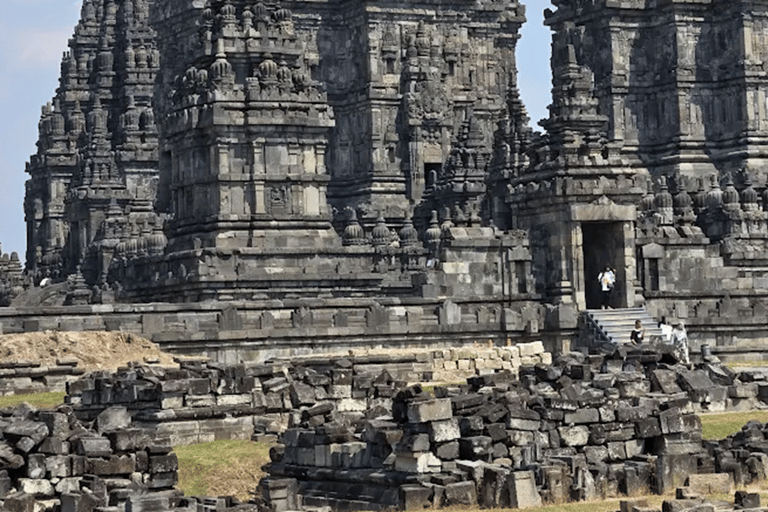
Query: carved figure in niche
[[279, 200], [429, 101]]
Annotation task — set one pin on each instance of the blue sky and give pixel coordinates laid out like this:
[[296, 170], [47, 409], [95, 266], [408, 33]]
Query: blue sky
[[33, 36]]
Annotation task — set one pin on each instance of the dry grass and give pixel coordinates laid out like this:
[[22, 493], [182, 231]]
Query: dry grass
[[720, 425], [38, 400], [222, 468]]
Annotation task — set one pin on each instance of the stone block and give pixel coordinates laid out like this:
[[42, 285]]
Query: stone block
[[617, 451], [240, 400], [747, 500], [497, 431], [339, 391], [743, 390], [36, 465], [648, 427], [163, 463], [582, 416], [430, 410], [94, 447], [199, 400], [634, 447], [58, 466], [113, 418], [129, 439], [414, 443], [521, 437], [444, 430], [531, 349], [37, 487], [36, 431], [461, 494], [596, 454], [113, 465], [415, 497], [448, 451], [475, 448], [574, 436], [711, 483], [19, 502], [665, 381], [672, 471], [418, 463], [68, 485], [352, 405], [163, 480], [522, 490], [523, 419]]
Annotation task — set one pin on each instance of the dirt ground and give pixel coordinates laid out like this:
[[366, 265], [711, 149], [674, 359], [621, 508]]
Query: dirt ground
[[92, 350]]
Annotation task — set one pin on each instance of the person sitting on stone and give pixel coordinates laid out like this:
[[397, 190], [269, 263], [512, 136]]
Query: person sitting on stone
[[638, 333]]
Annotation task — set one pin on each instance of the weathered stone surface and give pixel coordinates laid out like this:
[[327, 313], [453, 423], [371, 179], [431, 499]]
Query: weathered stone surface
[[431, 410], [522, 490]]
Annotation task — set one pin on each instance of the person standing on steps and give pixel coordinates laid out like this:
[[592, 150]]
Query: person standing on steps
[[638, 333], [607, 280]]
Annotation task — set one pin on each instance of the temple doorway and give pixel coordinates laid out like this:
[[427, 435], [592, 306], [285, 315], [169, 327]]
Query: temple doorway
[[603, 244]]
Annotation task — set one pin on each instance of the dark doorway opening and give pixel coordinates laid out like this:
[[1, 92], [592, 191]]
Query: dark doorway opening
[[602, 245], [431, 172]]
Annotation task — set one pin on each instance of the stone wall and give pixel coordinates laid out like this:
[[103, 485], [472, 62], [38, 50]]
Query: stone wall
[[32, 377], [259, 330]]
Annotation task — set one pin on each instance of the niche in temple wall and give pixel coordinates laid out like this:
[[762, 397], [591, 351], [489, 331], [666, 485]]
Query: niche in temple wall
[[649, 117]]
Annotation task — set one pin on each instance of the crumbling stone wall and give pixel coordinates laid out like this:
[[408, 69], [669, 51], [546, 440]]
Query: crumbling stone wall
[[353, 435], [205, 401], [49, 460], [24, 377], [583, 428]]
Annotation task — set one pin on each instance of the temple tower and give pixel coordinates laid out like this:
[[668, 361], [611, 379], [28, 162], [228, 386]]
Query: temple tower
[[98, 143]]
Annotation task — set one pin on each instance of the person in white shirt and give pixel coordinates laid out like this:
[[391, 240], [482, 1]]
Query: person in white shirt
[[607, 280], [680, 341], [666, 329]]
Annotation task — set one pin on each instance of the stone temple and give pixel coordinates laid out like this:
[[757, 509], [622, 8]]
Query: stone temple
[[310, 171]]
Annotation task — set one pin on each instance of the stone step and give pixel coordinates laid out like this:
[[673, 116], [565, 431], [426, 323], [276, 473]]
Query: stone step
[[618, 323]]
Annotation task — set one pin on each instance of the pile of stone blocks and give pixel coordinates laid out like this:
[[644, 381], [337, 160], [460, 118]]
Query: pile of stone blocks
[[204, 401], [687, 499], [26, 377], [49, 460], [584, 428], [439, 365]]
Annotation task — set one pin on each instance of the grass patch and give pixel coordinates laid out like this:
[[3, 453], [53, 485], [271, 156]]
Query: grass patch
[[38, 400], [721, 425], [735, 365], [221, 468]]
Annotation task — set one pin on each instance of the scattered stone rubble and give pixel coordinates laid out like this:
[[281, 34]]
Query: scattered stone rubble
[[205, 401], [49, 460], [355, 436], [23, 377], [585, 428]]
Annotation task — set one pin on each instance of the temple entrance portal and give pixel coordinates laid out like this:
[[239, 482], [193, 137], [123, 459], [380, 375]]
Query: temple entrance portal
[[603, 244]]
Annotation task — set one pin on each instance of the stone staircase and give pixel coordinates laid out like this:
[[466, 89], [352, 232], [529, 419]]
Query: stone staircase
[[611, 327]]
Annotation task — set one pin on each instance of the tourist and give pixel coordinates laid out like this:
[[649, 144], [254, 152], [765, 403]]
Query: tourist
[[666, 329], [638, 333], [680, 342], [607, 280]]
